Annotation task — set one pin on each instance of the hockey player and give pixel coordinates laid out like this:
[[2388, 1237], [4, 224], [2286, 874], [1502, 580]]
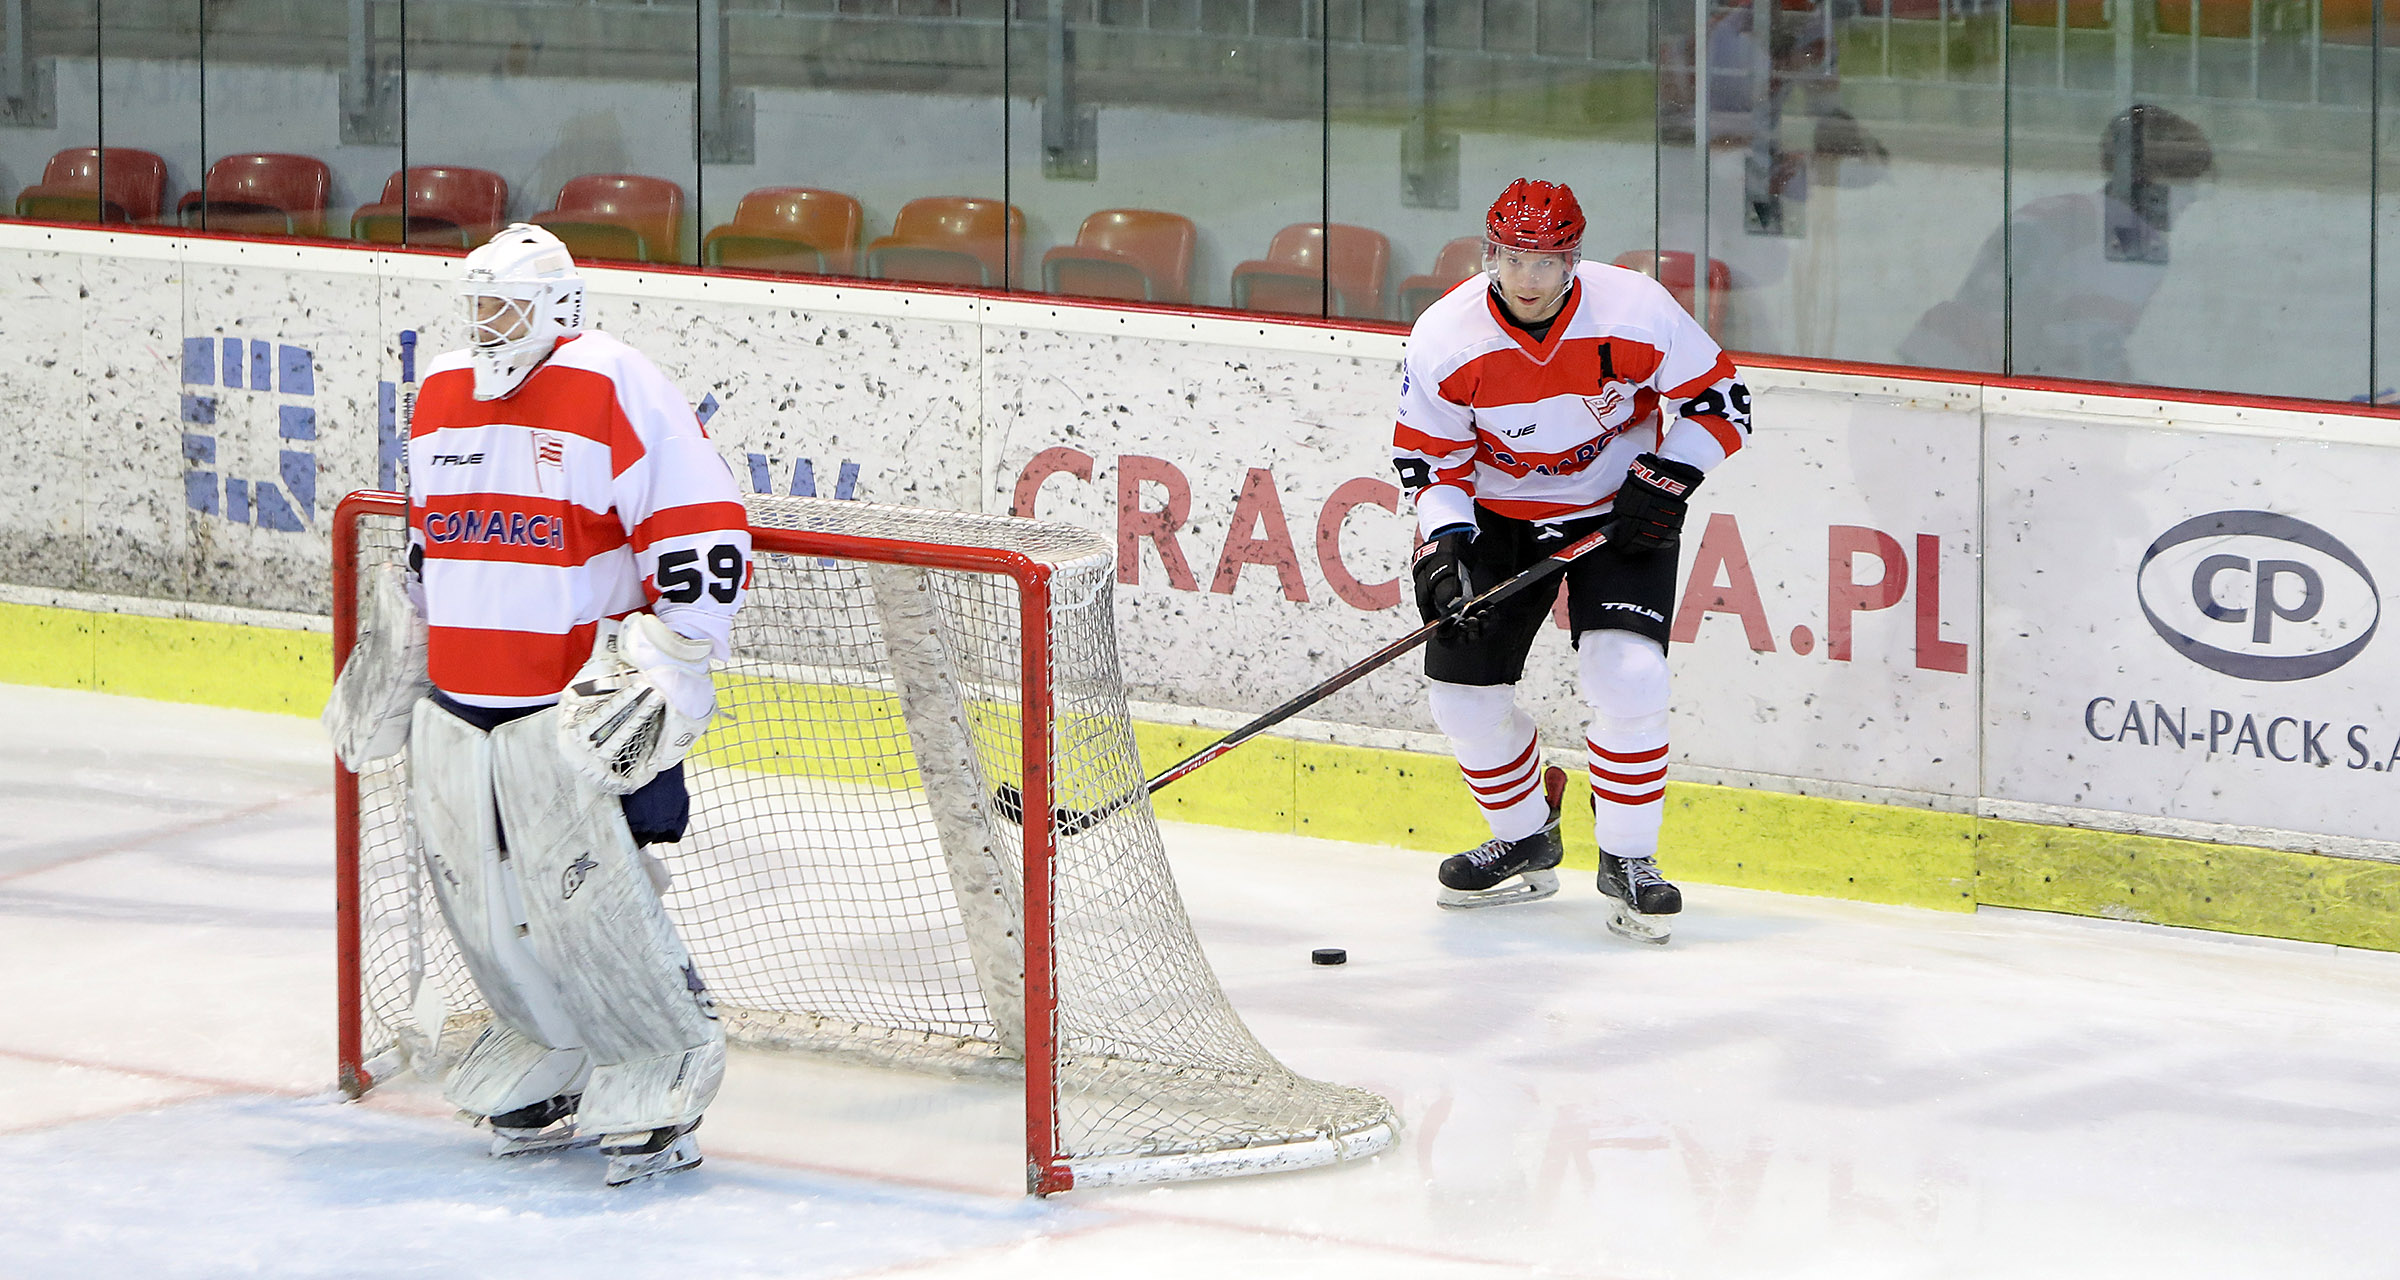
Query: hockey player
[[1539, 402], [576, 553]]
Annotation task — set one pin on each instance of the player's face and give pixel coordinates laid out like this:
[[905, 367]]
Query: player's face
[[1532, 285], [498, 320]]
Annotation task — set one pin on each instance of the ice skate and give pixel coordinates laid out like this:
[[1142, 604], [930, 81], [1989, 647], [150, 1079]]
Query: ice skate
[[1505, 872], [543, 1126], [635, 1156], [1640, 899]]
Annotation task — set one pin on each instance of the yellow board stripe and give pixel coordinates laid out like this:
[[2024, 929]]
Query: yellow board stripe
[[1715, 835]]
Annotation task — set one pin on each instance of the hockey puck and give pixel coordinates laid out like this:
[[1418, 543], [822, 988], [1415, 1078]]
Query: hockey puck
[[1329, 955]]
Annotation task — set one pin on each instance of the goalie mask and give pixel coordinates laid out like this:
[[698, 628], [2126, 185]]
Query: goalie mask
[[522, 295], [1532, 240]]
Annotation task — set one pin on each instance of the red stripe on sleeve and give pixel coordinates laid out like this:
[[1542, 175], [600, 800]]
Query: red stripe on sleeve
[[1728, 439], [696, 517], [1407, 437], [1717, 373]]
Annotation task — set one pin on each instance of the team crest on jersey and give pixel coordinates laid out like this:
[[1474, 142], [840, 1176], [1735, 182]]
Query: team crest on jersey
[[549, 464], [1612, 408]]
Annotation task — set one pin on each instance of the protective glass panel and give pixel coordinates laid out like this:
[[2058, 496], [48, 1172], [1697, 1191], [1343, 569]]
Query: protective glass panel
[[50, 109], [1439, 104], [576, 116], [856, 138], [2183, 174], [1173, 151]]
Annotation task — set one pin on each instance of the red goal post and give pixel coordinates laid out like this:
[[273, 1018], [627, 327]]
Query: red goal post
[[849, 886]]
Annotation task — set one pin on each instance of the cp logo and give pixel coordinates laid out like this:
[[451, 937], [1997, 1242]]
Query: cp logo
[[2258, 596]]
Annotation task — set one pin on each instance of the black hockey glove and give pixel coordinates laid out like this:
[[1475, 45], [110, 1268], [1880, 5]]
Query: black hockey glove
[[1648, 514], [1444, 585]]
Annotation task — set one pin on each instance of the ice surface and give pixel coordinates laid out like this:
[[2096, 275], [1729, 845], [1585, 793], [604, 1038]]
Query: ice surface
[[1793, 1088]]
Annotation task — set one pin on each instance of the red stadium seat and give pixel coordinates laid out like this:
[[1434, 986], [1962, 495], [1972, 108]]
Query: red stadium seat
[[1287, 279], [71, 187], [1458, 260], [789, 229], [623, 216], [1673, 268], [261, 193], [950, 240], [1140, 255], [434, 204]]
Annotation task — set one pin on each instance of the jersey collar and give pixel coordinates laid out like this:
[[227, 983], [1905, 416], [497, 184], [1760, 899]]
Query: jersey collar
[[1541, 350]]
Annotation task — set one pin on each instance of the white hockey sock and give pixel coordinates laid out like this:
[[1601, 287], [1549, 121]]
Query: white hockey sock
[[1498, 752], [1629, 780], [1625, 682]]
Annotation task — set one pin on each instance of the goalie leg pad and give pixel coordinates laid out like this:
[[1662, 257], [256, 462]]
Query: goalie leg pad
[[540, 1053], [505, 1070], [658, 1051]]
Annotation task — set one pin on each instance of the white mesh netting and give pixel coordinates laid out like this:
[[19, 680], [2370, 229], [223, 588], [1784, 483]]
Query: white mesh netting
[[848, 885]]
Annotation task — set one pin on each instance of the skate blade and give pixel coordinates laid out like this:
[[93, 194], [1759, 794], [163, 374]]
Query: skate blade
[[683, 1153], [504, 1145], [1625, 922], [1528, 886]]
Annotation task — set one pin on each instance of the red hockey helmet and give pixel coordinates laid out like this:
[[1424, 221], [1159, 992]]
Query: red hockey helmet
[[1538, 216]]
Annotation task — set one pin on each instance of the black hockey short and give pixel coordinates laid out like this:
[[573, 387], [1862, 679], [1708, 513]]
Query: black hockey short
[[658, 812], [1609, 589]]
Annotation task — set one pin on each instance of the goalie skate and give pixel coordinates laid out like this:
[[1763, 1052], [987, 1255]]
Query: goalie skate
[[544, 1126], [633, 1157], [1641, 901], [1506, 872]]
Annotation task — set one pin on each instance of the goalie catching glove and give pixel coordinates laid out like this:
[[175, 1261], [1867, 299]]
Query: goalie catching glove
[[382, 678], [637, 706]]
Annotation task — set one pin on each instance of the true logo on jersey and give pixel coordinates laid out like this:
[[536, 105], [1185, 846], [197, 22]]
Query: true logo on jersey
[[457, 459]]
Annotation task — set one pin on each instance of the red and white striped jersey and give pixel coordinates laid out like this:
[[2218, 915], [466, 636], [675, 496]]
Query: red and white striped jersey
[[1545, 430], [590, 493]]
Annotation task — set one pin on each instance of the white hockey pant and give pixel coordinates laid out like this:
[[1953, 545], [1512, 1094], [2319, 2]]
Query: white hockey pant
[[563, 933], [1498, 751], [1626, 685]]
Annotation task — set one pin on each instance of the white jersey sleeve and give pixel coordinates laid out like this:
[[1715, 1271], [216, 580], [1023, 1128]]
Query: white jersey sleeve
[[1700, 388], [680, 509], [1433, 443]]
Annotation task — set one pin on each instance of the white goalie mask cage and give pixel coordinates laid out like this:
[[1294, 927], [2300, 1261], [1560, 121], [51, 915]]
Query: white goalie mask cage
[[529, 272]]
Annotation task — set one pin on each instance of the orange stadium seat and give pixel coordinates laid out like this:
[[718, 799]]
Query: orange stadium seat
[[1140, 255], [2353, 22], [626, 217], [261, 193], [950, 240], [1673, 268], [1298, 258], [434, 204], [2228, 18], [71, 187], [2086, 15], [789, 229], [1458, 260]]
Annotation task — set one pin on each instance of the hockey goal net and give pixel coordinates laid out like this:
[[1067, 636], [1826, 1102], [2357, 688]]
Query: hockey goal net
[[854, 882]]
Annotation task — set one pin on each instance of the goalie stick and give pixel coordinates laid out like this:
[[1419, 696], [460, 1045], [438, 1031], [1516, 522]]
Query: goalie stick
[[1010, 800]]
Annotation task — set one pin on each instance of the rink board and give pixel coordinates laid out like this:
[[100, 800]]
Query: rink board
[[1941, 643]]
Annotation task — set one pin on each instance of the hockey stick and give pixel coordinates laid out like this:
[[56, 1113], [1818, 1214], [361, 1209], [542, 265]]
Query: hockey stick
[[1010, 800]]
